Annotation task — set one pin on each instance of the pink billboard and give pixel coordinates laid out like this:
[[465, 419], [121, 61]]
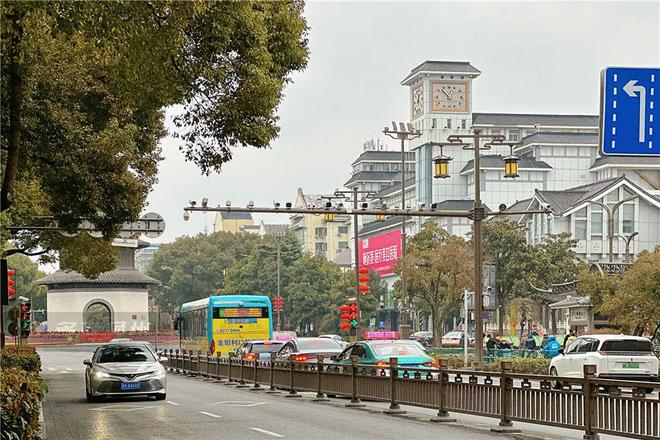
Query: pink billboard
[[380, 252]]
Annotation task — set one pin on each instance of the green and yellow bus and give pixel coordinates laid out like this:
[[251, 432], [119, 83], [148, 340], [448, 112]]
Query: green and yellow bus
[[220, 324]]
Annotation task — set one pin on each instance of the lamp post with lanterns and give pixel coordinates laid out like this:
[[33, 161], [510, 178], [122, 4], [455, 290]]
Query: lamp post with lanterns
[[478, 213]]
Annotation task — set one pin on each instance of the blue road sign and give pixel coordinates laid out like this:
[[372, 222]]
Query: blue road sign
[[629, 111]]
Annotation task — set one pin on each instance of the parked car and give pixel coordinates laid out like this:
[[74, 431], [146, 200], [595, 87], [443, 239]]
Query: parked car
[[455, 339], [306, 350], [261, 350], [620, 357], [124, 369], [423, 337], [378, 353]]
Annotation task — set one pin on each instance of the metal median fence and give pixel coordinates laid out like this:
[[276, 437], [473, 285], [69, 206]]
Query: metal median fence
[[598, 406]]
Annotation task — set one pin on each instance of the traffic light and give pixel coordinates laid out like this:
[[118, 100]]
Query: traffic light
[[26, 319], [345, 317], [278, 303], [364, 280], [354, 314], [7, 284]]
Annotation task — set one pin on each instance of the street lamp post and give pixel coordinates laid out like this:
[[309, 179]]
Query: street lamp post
[[478, 214], [404, 132], [356, 197], [610, 224], [279, 293]]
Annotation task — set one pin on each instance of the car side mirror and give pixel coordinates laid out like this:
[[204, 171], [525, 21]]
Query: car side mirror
[[87, 362], [333, 357], [560, 351]]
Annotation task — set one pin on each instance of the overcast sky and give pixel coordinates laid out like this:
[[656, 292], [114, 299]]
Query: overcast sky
[[535, 57]]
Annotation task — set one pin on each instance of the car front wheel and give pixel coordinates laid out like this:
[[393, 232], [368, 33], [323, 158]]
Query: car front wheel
[[89, 396]]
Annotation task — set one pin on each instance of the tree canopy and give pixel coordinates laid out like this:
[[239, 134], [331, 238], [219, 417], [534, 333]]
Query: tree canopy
[[86, 85]]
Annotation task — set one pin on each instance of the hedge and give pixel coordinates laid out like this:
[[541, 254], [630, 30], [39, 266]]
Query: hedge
[[21, 390], [518, 364]]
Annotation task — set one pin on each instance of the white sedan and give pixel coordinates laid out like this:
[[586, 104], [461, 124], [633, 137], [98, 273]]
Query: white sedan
[[619, 357]]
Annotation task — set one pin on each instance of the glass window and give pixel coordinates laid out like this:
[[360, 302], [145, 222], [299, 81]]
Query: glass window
[[613, 196], [343, 245], [397, 350], [582, 213], [434, 123], [580, 229], [342, 229], [317, 344], [495, 131], [514, 135], [463, 124], [627, 193], [321, 247], [628, 218], [596, 222], [122, 353], [448, 123], [320, 232], [574, 346], [627, 345]]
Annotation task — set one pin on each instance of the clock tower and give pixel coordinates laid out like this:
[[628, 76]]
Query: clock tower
[[440, 105]]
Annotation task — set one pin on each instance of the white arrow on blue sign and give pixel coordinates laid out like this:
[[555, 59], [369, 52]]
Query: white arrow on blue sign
[[629, 111]]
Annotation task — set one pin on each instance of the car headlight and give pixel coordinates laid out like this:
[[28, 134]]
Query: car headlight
[[159, 374], [100, 374]]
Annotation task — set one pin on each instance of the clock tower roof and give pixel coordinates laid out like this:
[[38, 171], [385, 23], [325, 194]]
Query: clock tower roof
[[441, 67]]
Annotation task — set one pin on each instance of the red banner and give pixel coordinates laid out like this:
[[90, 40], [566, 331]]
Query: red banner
[[380, 252]]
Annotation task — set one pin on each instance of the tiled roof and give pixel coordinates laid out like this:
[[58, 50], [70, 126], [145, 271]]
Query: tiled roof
[[277, 230], [443, 67], [520, 205], [232, 215], [562, 201], [530, 120], [390, 156], [395, 187], [626, 160], [457, 205], [371, 176], [389, 223], [561, 138], [117, 276], [572, 301], [497, 161]]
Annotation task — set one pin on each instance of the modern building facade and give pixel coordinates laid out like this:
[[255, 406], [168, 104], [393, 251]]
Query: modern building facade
[[316, 235], [377, 168], [144, 255]]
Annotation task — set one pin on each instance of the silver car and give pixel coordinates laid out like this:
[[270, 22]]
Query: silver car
[[124, 369]]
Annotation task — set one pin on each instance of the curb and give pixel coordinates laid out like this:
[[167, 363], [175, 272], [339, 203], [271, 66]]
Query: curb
[[42, 423]]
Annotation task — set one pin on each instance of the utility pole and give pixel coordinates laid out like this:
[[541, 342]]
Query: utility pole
[[610, 224], [279, 294], [404, 132]]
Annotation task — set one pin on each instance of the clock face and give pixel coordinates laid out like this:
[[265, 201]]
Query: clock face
[[417, 107], [448, 97]]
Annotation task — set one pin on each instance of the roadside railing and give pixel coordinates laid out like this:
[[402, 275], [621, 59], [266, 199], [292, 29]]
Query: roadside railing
[[596, 406]]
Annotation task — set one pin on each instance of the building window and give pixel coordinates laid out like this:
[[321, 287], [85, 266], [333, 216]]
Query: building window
[[321, 248], [320, 232], [434, 123], [628, 218], [514, 135], [463, 124], [342, 230], [581, 229], [495, 131], [596, 222], [343, 245], [448, 123]]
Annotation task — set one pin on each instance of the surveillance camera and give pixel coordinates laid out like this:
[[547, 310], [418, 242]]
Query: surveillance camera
[[193, 203], [288, 205], [205, 202], [545, 206], [365, 205], [276, 205], [228, 203], [186, 215], [421, 206], [250, 204]]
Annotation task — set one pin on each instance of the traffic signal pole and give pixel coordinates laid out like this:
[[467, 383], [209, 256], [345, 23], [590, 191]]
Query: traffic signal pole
[[357, 261]]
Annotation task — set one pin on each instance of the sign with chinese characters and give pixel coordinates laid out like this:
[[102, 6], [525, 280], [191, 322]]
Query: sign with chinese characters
[[579, 315], [380, 252]]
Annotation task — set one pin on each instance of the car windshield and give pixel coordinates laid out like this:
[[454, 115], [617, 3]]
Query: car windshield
[[629, 345], [125, 354], [266, 348], [387, 350], [317, 344], [453, 335]]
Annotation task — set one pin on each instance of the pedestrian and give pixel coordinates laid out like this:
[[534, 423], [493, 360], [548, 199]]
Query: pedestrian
[[491, 345], [530, 342], [568, 339], [551, 348]]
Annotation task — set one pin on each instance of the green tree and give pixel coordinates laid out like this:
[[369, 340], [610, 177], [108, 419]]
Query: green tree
[[635, 304], [555, 260], [505, 246], [86, 85], [597, 286], [438, 267]]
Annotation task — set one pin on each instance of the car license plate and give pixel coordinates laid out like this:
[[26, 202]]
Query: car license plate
[[130, 386], [631, 365]]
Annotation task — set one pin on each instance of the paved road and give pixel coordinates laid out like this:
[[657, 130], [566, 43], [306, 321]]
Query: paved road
[[199, 409]]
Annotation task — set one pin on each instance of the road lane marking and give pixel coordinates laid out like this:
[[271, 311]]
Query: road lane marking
[[172, 403], [210, 414], [240, 403], [274, 434], [121, 408]]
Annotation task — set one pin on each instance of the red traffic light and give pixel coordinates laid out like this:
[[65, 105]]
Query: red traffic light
[[363, 270], [11, 292], [364, 288], [345, 316], [345, 326], [344, 308], [364, 279], [353, 307]]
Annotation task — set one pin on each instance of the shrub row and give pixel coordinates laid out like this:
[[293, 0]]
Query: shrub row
[[518, 364], [21, 390]]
